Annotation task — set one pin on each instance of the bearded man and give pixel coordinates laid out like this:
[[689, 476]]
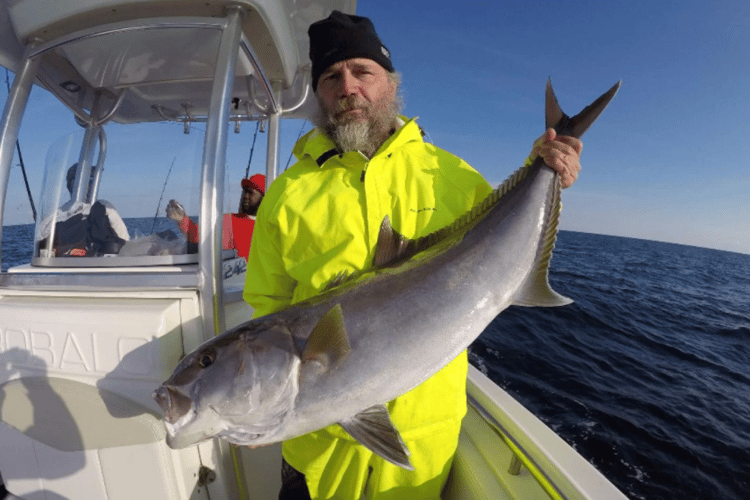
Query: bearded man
[[322, 217]]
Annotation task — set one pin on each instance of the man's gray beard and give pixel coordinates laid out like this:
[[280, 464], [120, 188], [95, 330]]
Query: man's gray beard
[[364, 136], [356, 136]]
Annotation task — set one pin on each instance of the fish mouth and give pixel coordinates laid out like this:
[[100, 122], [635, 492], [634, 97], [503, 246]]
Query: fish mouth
[[175, 404], [177, 441]]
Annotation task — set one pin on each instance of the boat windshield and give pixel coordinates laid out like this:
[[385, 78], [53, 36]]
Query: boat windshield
[[145, 88], [111, 210]]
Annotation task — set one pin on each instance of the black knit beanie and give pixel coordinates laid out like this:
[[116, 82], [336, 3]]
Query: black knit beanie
[[342, 36]]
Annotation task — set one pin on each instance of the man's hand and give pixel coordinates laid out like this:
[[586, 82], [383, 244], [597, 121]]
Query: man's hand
[[175, 211], [561, 153]]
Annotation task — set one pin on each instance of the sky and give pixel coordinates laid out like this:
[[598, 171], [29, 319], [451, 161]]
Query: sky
[[666, 161]]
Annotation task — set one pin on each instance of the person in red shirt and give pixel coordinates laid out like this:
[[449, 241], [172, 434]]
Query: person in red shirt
[[238, 228]]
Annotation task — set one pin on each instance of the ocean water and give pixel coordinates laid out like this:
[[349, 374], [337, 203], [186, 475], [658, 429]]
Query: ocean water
[[646, 374]]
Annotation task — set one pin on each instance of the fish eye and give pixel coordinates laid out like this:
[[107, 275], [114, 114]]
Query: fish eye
[[206, 360]]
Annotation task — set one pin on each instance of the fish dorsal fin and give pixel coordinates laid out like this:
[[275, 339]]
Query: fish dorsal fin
[[373, 429], [337, 280], [328, 342], [392, 246]]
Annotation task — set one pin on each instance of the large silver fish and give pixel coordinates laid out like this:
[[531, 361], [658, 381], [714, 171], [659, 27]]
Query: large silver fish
[[338, 357]]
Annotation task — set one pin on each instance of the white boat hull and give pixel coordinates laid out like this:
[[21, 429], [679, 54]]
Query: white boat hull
[[75, 399]]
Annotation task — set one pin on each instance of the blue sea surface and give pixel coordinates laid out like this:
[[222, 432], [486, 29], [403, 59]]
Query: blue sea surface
[[646, 374]]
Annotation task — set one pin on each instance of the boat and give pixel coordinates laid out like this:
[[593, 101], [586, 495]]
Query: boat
[[85, 339]]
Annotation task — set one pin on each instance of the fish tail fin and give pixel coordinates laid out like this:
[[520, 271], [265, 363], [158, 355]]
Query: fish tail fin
[[577, 125], [536, 291]]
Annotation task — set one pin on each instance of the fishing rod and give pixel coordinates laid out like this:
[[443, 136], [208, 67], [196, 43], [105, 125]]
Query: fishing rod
[[295, 142], [20, 157], [158, 205]]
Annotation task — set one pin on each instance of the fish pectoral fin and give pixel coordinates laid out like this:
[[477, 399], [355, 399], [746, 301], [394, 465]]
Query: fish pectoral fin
[[328, 342], [373, 429]]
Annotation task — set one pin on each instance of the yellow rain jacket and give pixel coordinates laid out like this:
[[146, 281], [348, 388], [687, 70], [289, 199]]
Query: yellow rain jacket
[[322, 217]]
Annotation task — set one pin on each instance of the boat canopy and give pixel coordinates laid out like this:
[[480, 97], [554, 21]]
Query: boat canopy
[[155, 60]]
